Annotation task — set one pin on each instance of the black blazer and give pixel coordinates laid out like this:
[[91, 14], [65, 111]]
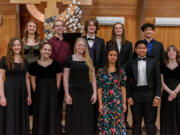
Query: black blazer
[[125, 52], [152, 73], [99, 54], [158, 51]]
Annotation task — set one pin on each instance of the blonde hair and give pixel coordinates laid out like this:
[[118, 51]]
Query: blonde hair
[[36, 34], [54, 24], [87, 57]]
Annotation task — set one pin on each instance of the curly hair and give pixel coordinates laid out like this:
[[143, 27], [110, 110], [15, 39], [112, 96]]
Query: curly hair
[[177, 54], [10, 63], [36, 34], [95, 23], [87, 57]]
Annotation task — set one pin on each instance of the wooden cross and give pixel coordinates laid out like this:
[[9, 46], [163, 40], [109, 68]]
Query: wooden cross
[[51, 9]]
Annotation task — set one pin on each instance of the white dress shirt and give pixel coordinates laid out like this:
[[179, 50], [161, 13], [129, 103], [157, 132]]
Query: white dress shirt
[[119, 44], [90, 42], [142, 78]]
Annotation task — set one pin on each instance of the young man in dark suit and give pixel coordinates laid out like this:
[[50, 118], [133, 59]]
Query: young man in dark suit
[[155, 48], [96, 44], [143, 89]]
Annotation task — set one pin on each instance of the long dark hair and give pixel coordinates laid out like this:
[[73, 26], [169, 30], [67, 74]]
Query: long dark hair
[[10, 63], [113, 37], [177, 54], [117, 65]]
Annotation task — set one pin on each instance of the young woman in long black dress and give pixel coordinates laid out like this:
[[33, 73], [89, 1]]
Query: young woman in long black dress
[[14, 91], [80, 91], [45, 79], [170, 103]]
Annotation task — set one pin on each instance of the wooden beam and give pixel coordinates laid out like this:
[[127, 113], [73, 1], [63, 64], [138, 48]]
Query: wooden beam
[[141, 16], [18, 30]]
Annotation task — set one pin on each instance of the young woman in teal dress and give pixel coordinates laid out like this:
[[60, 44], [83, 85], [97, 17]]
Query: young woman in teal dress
[[111, 96]]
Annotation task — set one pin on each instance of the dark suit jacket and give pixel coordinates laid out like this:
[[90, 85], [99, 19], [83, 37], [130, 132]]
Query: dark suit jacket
[[152, 73], [125, 52], [158, 51], [99, 54]]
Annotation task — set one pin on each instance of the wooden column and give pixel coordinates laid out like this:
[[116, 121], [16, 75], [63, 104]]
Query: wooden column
[[141, 15], [18, 30]]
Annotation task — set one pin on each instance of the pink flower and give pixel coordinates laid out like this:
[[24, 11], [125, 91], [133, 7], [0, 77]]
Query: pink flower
[[113, 130], [115, 81], [104, 132], [111, 92]]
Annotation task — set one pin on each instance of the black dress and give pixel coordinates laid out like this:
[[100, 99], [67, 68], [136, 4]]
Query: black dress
[[46, 120], [32, 54], [170, 111], [79, 115], [14, 118]]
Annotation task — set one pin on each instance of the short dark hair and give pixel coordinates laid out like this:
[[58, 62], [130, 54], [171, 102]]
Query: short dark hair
[[136, 45], [144, 26], [140, 42], [95, 23]]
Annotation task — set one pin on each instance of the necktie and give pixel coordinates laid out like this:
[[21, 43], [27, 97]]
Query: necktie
[[142, 58], [92, 39]]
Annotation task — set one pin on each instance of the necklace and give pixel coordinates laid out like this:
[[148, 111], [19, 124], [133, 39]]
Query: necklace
[[79, 58], [172, 65], [18, 59], [45, 63]]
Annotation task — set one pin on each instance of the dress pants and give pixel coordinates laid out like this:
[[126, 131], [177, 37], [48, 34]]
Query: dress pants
[[143, 101]]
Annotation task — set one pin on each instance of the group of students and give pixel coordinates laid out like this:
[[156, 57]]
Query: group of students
[[41, 74]]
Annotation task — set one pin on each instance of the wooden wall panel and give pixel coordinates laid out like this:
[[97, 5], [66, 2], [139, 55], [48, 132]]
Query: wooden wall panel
[[6, 8], [167, 35], [163, 8], [100, 8], [8, 25], [7, 30]]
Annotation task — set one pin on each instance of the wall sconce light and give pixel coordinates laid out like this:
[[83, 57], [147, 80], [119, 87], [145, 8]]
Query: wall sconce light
[[167, 21], [110, 20]]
